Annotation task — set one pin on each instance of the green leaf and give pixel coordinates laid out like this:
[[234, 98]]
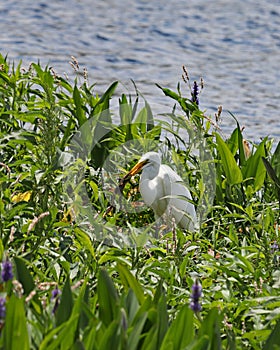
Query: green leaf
[[108, 93], [107, 297], [28, 117], [211, 327], [254, 168], [162, 320], [84, 240], [141, 119], [231, 169], [66, 334], [202, 343], [150, 342], [246, 264], [181, 332], [51, 341], [232, 142], [70, 333], [80, 114], [271, 172], [15, 329], [112, 337], [24, 276], [102, 133], [126, 115], [129, 280], [136, 331], [150, 117], [242, 158], [1, 242], [169, 93], [273, 341], [186, 105], [66, 304], [275, 160], [125, 111], [90, 339], [66, 133]]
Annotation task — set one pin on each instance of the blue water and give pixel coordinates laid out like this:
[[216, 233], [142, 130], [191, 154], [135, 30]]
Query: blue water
[[233, 45]]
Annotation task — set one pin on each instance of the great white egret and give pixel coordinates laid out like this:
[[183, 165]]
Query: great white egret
[[163, 190]]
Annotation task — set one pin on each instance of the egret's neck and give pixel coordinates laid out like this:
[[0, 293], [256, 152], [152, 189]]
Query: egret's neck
[[150, 171]]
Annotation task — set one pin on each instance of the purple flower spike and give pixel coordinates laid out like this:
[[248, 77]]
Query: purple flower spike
[[274, 247], [55, 293], [55, 296], [195, 93], [196, 294], [2, 308], [7, 271]]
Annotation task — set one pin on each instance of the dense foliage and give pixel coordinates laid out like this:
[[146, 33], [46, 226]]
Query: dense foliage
[[76, 275]]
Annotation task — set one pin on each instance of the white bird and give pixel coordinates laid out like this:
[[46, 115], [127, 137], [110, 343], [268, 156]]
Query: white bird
[[163, 190]]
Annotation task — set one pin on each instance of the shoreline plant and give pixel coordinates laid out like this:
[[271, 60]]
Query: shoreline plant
[[71, 281]]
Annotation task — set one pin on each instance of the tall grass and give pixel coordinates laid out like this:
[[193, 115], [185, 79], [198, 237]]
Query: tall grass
[[91, 269]]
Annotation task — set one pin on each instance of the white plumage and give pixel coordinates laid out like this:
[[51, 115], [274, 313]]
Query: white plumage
[[164, 191]]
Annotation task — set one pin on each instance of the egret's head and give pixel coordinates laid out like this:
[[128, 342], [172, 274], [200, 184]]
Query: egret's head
[[150, 159]]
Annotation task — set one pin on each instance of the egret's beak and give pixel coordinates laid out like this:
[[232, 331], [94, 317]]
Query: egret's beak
[[137, 168]]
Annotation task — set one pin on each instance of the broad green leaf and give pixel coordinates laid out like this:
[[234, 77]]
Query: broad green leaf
[[102, 135], [162, 322], [150, 342], [65, 335], [246, 263], [211, 326], [273, 341], [84, 241], [186, 105], [134, 109], [15, 329], [28, 117], [80, 114], [70, 333], [131, 306], [90, 339], [66, 133], [101, 126], [62, 337], [136, 331], [158, 293], [232, 142], [24, 276], [141, 119], [242, 158], [181, 331], [271, 172], [150, 117], [202, 343], [66, 304], [169, 93], [1, 243], [275, 160], [126, 116], [112, 337], [108, 93], [125, 111], [129, 280], [231, 169], [107, 297], [254, 167]]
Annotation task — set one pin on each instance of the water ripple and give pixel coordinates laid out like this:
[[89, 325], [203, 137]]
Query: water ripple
[[235, 46]]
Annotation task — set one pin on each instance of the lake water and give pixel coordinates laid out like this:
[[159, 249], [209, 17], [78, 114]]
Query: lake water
[[233, 45]]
